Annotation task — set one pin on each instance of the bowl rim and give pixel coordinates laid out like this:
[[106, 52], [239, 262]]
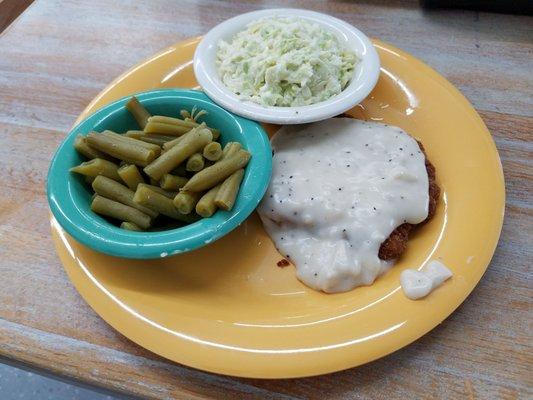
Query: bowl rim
[[354, 93], [98, 234]]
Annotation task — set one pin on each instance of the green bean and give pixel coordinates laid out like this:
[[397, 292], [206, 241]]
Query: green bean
[[216, 173], [166, 129], [172, 182], [186, 201], [121, 149], [89, 179], [138, 163], [230, 149], [180, 170], [97, 166], [173, 121], [153, 181], [135, 134], [159, 203], [81, 146], [206, 205], [195, 163], [116, 210], [130, 226], [130, 175], [138, 111], [160, 119], [153, 138], [112, 190], [176, 155], [150, 146], [227, 194], [172, 143], [216, 133], [213, 151], [157, 189]]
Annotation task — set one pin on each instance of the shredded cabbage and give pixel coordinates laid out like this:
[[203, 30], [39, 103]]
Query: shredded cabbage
[[285, 61]]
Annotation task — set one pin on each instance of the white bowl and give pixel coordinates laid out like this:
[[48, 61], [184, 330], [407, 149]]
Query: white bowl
[[365, 75]]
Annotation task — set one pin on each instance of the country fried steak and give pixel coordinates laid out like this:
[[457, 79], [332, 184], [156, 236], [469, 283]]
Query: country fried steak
[[394, 246], [396, 243]]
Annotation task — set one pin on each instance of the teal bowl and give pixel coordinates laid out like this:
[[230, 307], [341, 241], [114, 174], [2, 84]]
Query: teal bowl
[[69, 196]]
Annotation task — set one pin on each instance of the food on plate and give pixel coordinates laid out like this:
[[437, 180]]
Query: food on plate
[[230, 149], [195, 140], [213, 151], [396, 243], [206, 205], [154, 138], [128, 151], [97, 166], [157, 201], [285, 62], [186, 201], [119, 211], [339, 188], [195, 162], [172, 182], [218, 172], [167, 193], [80, 144], [418, 284], [120, 165], [227, 192], [138, 111], [175, 126], [130, 226], [113, 190], [130, 175]]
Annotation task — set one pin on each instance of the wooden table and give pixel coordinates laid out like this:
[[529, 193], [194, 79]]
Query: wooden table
[[59, 54]]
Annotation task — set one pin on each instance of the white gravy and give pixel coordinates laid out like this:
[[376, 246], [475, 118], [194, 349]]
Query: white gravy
[[418, 284], [339, 188]]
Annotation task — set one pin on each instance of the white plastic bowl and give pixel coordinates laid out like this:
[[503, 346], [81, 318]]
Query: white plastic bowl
[[365, 76]]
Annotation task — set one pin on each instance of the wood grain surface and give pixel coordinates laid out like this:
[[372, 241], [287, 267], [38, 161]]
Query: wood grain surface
[[59, 54]]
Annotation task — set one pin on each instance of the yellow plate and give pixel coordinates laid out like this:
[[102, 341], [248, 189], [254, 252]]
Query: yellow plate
[[228, 308]]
